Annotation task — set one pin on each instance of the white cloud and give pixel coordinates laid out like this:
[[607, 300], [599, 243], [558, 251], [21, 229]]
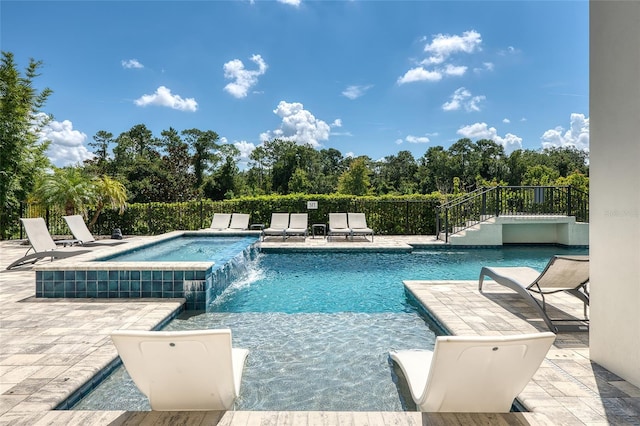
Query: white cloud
[[455, 70], [336, 123], [477, 131], [245, 148], [441, 48], [399, 141], [577, 136], [295, 3], [67, 145], [417, 139], [506, 120], [131, 63], [298, 125], [462, 98], [354, 92], [243, 79], [419, 74], [444, 46], [163, 97]]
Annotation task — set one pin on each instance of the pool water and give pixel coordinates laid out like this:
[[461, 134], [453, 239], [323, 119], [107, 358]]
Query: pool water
[[187, 249], [319, 326]]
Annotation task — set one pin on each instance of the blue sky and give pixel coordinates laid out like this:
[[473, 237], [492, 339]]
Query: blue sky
[[364, 77]]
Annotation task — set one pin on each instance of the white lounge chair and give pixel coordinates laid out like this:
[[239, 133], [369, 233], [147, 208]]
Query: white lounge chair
[[42, 244], [239, 222], [298, 225], [562, 273], [338, 225], [82, 234], [358, 225], [278, 226], [477, 374], [220, 221], [183, 370]]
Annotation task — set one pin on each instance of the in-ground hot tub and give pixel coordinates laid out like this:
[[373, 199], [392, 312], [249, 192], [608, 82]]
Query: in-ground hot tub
[[196, 266]]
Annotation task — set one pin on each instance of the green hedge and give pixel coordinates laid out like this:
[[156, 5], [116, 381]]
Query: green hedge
[[386, 215]]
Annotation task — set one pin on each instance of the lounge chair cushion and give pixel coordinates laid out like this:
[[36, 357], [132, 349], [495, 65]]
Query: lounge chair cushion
[[239, 221], [220, 221], [298, 224], [562, 273], [475, 374], [183, 370], [278, 226]]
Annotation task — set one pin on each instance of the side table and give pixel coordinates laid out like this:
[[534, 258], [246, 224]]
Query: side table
[[318, 226]]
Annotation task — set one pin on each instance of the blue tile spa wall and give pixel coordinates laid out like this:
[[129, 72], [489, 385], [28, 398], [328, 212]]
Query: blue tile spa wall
[[198, 287]]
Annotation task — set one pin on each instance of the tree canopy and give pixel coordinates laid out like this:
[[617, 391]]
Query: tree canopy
[[22, 156], [179, 166]]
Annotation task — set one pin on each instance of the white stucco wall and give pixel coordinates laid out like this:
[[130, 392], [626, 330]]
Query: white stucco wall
[[615, 186]]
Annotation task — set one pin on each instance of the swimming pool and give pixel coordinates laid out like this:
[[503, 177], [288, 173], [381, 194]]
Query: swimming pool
[[319, 326]]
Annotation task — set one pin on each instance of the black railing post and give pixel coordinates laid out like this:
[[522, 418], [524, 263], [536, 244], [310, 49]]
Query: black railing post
[[446, 225], [569, 206], [498, 201], [483, 211]]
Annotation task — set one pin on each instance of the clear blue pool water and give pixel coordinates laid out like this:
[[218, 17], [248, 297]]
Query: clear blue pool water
[[187, 249], [319, 326]]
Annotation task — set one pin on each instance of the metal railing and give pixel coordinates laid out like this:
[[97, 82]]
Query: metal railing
[[484, 204]]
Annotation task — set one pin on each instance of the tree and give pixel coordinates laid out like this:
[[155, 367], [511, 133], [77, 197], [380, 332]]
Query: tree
[[204, 145], [433, 171], [137, 163], [100, 144], [67, 188], [397, 174], [179, 184], [567, 160], [299, 182], [22, 157], [355, 181], [540, 175], [108, 192], [464, 162], [492, 160], [222, 183]]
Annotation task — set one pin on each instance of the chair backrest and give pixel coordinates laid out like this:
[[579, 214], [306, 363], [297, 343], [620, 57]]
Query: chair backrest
[[482, 373], [239, 221], [564, 273], [279, 220], [338, 221], [79, 228], [180, 370], [357, 220], [38, 234], [220, 221], [299, 220]]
